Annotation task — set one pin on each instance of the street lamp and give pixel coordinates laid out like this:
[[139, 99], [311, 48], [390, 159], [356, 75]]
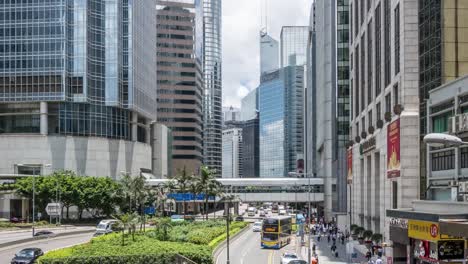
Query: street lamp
[[33, 191], [440, 140]]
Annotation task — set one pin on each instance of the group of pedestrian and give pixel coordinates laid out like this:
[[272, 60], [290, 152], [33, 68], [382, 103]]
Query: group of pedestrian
[[331, 231]]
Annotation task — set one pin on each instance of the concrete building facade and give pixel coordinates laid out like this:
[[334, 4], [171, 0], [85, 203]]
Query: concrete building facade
[[79, 84], [180, 81], [384, 154], [232, 153]]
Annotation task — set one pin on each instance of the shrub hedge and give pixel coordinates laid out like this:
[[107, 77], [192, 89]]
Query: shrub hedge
[[193, 240]]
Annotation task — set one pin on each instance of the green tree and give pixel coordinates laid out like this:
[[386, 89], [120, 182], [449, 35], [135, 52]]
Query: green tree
[[124, 221], [183, 180], [208, 185], [162, 227]]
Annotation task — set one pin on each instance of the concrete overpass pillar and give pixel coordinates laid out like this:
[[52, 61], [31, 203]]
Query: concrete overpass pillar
[[236, 208]]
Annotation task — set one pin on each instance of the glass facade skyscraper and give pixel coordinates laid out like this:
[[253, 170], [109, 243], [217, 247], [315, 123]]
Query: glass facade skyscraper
[[212, 99], [294, 45], [75, 68], [281, 121]]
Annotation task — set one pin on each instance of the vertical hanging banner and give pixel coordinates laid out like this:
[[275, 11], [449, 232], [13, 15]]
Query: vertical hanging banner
[[349, 155], [393, 149]]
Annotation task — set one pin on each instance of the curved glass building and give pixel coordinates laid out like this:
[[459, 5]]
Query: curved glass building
[[212, 101], [75, 70]]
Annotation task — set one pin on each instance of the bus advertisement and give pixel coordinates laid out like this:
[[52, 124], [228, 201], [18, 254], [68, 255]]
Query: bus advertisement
[[276, 232]]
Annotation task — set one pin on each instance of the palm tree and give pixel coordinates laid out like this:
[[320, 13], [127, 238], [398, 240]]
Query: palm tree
[[124, 221], [194, 189], [208, 185], [183, 180], [214, 189], [164, 225], [135, 219], [127, 190]]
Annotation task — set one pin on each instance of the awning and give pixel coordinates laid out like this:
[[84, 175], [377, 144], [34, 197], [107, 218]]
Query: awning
[[454, 227]]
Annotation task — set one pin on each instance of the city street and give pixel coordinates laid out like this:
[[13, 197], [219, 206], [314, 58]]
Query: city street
[[246, 250], [45, 244], [11, 236]]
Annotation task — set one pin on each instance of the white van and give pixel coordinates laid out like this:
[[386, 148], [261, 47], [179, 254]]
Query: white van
[[251, 211], [105, 227]]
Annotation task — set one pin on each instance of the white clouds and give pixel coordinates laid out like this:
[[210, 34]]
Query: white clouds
[[241, 26]]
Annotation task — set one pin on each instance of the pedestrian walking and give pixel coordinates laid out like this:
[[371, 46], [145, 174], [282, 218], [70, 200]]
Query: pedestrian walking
[[328, 238], [378, 261], [368, 255]]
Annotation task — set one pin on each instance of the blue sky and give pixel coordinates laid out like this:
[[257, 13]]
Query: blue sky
[[240, 40]]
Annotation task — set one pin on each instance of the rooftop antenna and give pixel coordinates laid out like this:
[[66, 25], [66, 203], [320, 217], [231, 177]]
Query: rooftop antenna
[[263, 17]]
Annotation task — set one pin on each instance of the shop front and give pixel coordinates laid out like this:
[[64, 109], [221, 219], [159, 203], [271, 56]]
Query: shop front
[[429, 245]]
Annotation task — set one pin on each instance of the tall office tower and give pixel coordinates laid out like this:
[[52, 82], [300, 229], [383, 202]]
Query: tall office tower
[[249, 105], [231, 114], [250, 149], [269, 52], [294, 45], [281, 125], [77, 86], [180, 81], [212, 97], [384, 156], [232, 153], [309, 100], [441, 60]]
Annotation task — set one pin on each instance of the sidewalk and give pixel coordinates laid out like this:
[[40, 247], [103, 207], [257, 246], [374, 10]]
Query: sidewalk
[[326, 256]]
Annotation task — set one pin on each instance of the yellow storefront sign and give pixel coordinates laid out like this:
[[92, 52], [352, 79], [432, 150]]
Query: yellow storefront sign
[[423, 230]]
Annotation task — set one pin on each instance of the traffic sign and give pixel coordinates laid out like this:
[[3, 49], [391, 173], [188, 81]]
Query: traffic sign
[[150, 210], [53, 209]]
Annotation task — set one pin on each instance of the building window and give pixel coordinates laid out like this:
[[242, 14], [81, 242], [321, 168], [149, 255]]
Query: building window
[[377, 26], [394, 194], [388, 103], [361, 5], [29, 169], [464, 157], [356, 18], [388, 55], [351, 23], [395, 95], [357, 128], [369, 63], [379, 112], [363, 70], [371, 123], [397, 39], [444, 160], [363, 124], [356, 77], [440, 122]]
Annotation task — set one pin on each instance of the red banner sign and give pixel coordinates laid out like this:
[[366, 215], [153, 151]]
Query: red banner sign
[[350, 165], [393, 149]]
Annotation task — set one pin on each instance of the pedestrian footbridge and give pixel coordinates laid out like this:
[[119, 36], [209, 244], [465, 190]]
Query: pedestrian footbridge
[[288, 190]]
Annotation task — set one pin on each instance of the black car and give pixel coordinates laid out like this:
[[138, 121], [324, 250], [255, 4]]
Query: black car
[[27, 256], [44, 233], [239, 219]]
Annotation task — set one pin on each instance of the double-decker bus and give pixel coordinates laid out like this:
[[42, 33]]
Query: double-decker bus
[[276, 232]]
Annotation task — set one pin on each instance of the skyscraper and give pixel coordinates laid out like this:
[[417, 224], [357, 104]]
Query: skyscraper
[[250, 149], [81, 70], [212, 97], [281, 121], [269, 52], [249, 105], [294, 45], [180, 81], [231, 114]]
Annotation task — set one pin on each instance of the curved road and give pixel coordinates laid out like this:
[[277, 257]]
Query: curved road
[[246, 250], [47, 244]]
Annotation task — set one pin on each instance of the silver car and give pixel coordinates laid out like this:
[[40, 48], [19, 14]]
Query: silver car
[[288, 257]]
